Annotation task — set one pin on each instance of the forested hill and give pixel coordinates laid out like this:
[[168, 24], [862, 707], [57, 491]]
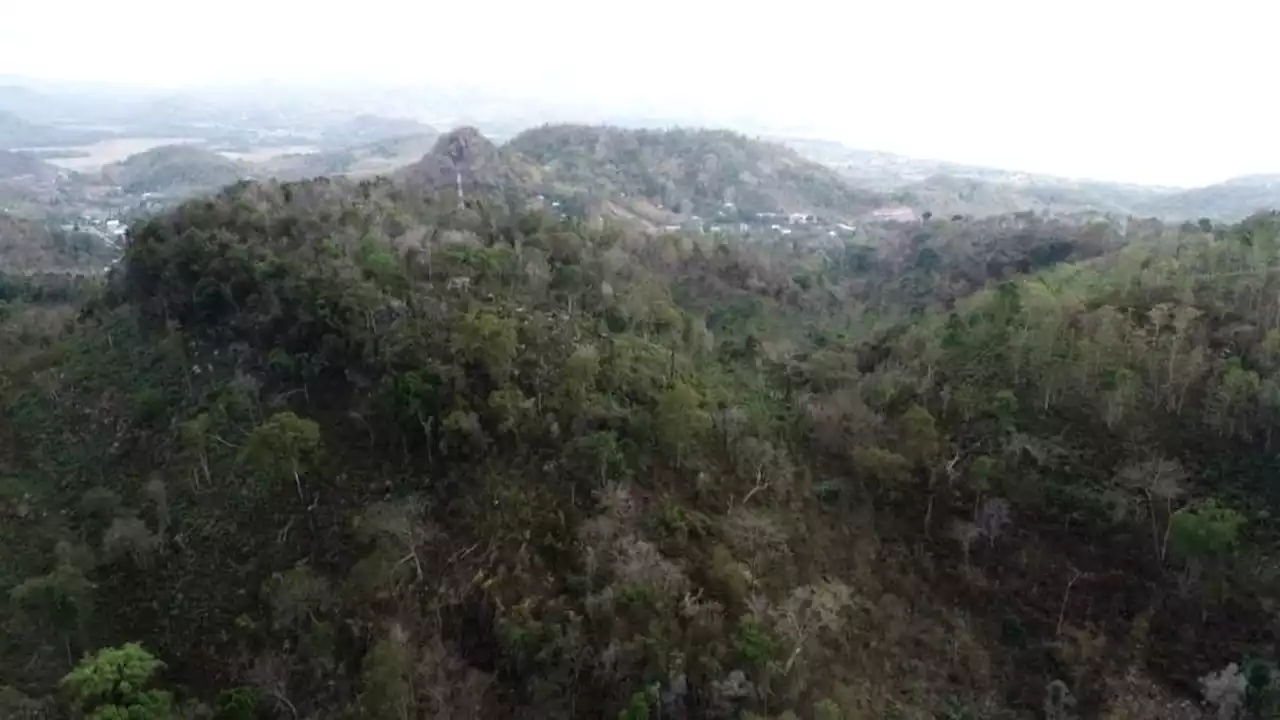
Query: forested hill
[[467, 156], [23, 166], [688, 171], [658, 178], [175, 168], [340, 450], [27, 246]]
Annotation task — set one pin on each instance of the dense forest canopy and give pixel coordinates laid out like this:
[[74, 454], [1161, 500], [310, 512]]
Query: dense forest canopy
[[640, 425], [361, 450]]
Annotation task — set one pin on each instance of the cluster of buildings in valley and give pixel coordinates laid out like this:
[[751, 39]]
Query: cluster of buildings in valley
[[782, 224], [110, 230]]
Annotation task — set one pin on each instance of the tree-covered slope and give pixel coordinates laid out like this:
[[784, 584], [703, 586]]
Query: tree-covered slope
[[24, 166], [466, 156], [16, 132], [689, 171], [174, 168], [29, 246], [353, 450], [1231, 200]]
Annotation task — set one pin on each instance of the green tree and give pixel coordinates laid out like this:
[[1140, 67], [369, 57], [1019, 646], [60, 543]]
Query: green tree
[[680, 420], [112, 685], [489, 340], [61, 601], [1205, 531], [918, 436], [14, 705], [386, 692], [282, 444]]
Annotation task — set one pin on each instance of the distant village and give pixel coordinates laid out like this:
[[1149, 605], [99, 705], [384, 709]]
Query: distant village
[[729, 219], [784, 224]]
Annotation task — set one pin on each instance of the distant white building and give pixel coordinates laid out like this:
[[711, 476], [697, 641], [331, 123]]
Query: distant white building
[[898, 213]]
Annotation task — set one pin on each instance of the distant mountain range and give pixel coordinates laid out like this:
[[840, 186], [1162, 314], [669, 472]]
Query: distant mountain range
[[17, 132], [664, 174], [16, 165], [953, 188], [373, 157], [367, 128]]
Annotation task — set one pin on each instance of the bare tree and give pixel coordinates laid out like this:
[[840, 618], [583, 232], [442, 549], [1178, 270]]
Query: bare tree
[[1160, 481]]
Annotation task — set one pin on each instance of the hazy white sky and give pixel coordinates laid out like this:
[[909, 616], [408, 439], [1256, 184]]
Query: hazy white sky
[[1148, 91]]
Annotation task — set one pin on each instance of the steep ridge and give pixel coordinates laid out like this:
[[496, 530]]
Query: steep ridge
[[465, 155]]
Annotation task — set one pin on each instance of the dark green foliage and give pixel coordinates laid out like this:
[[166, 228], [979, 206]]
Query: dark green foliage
[[355, 451], [240, 703]]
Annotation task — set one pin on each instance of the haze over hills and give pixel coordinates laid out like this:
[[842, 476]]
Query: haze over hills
[[174, 169], [368, 128], [291, 133], [17, 165], [697, 178], [375, 157], [950, 188], [645, 423], [16, 132], [689, 171], [449, 361]]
